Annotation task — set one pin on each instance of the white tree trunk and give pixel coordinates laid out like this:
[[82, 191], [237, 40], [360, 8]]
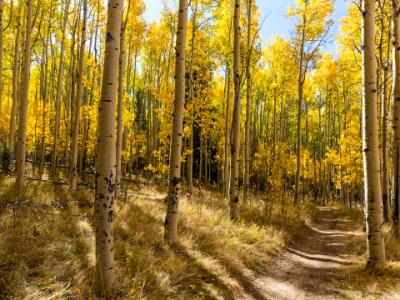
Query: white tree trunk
[[23, 105], [247, 126], [120, 112], [396, 116], [59, 90], [75, 131], [235, 137], [373, 194], [15, 81], [105, 154], [171, 220]]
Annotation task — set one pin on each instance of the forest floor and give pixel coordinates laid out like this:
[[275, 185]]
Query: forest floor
[[274, 252], [326, 262]]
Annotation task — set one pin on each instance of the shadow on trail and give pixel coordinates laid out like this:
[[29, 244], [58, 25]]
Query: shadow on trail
[[313, 264], [319, 257]]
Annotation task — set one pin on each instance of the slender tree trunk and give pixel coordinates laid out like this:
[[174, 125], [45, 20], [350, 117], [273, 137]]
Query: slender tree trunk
[[44, 86], [75, 131], [235, 137], [15, 81], [120, 111], [247, 125], [385, 150], [274, 128], [395, 117], [171, 220], [191, 139], [71, 93], [373, 195], [300, 95], [201, 156], [59, 90], [105, 154], [206, 161], [227, 111], [23, 109]]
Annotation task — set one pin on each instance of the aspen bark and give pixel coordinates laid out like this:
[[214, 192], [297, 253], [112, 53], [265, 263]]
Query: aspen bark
[[105, 154], [235, 134], [120, 111], [191, 139], [227, 110], [15, 81], [372, 180], [384, 66], [23, 105], [396, 116], [385, 149], [171, 220], [79, 93], [247, 125], [59, 90], [300, 95]]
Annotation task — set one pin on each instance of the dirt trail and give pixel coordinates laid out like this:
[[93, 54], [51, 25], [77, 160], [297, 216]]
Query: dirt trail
[[312, 266]]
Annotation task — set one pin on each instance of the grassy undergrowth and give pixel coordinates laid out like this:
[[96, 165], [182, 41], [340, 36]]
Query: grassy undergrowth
[[377, 284], [47, 244]]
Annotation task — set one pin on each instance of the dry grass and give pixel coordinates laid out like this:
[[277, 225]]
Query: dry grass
[[47, 244], [378, 284]]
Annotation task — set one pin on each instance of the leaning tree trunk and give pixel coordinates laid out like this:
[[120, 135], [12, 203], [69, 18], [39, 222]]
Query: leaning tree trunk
[[395, 117], [171, 220], [23, 110], [247, 125], [235, 136], [105, 154], [15, 80], [75, 131], [373, 195]]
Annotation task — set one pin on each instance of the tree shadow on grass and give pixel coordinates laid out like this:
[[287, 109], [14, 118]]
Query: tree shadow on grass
[[139, 243], [235, 270]]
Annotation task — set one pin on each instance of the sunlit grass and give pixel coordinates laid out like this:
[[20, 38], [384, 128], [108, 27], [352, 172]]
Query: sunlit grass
[[48, 244]]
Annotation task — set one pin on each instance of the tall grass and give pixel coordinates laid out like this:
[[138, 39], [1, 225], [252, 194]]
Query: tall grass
[[47, 244]]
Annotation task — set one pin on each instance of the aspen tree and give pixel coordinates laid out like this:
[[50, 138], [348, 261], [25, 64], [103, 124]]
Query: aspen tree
[[312, 32], [248, 96], [23, 105], [120, 106], [15, 81], [372, 180], [300, 95], [79, 93], [235, 133], [396, 115], [59, 89], [105, 154], [171, 220], [227, 171], [383, 71], [226, 146], [191, 141]]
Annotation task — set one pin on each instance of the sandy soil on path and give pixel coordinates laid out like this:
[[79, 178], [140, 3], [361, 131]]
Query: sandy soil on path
[[313, 266]]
